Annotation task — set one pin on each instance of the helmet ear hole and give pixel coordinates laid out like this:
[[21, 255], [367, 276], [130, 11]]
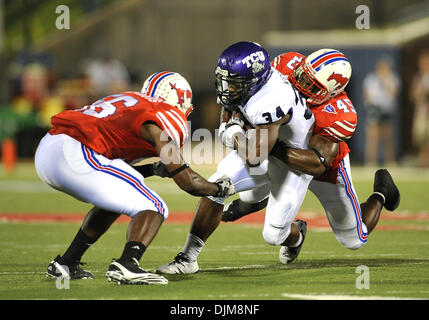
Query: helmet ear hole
[[171, 88]]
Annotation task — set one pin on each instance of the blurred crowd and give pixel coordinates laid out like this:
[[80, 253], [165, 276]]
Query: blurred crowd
[[37, 94], [37, 89], [419, 95]]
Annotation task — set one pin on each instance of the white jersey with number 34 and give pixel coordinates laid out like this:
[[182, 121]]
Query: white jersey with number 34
[[275, 100]]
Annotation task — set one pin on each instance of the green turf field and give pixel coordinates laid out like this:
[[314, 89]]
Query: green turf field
[[236, 262]]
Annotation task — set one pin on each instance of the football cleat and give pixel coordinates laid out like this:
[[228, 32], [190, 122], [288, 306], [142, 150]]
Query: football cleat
[[238, 208], [129, 272], [180, 265], [287, 254], [57, 270], [383, 183]]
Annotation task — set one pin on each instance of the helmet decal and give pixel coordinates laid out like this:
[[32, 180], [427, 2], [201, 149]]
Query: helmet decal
[[338, 78], [182, 94], [171, 88], [326, 58], [154, 81], [257, 67]]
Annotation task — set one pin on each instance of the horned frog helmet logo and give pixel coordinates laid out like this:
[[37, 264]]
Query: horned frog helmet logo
[[257, 67]]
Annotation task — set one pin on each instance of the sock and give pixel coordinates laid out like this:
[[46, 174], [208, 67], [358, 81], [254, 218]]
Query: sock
[[193, 247], [132, 249], [77, 248], [296, 244]]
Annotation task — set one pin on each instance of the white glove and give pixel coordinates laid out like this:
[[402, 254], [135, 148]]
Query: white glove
[[221, 130], [232, 127], [226, 187]]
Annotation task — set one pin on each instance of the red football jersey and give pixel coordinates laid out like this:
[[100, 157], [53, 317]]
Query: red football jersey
[[111, 126], [335, 119]]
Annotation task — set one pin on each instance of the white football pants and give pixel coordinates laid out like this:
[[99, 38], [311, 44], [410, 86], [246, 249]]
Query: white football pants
[[340, 202], [286, 189], [71, 167]]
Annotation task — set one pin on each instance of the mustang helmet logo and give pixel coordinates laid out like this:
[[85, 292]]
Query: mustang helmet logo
[[181, 94], [338, 78]]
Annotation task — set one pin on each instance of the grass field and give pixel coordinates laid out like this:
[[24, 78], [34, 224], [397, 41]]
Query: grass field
[[236, 263]]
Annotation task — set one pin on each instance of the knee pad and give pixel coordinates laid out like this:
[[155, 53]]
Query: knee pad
[[275, 236], [350, 239]]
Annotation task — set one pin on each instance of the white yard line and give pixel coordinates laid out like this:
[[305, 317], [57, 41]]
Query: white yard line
[[341, 297]]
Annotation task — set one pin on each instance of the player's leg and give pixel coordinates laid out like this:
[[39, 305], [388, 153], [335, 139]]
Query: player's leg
[[111, 185], [141, 231], [288, 190], [343, 211], [132, 197], [352, 222], [96, 223], [248, 202], [208, 213], [207, 217], [50, 163]]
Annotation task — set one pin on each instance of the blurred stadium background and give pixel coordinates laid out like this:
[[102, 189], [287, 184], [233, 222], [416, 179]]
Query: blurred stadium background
[[114, 45]]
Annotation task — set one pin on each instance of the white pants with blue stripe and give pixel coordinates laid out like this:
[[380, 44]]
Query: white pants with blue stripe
[[340, 202], [342, 207], [69, 166]]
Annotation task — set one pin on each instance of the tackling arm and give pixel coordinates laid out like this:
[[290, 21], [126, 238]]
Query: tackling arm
[[187, 179], [314, 161], [255, 145]]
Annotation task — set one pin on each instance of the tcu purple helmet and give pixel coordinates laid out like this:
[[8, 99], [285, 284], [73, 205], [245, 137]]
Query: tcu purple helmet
[[242, 69]]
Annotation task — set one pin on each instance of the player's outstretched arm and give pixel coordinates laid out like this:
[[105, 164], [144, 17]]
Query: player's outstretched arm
[[187, 179], [314, 161]]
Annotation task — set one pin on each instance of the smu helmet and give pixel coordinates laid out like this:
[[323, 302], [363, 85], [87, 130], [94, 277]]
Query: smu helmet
[[170, 87], [242, 69], [322, 75]]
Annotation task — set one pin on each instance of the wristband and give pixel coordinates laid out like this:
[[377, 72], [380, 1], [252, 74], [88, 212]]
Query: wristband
[[321, 158], [180, 169]]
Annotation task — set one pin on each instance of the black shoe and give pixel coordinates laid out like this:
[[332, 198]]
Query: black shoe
[[383, 183], [287, 254], [57, 269], [129, 272], [238, 208]]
